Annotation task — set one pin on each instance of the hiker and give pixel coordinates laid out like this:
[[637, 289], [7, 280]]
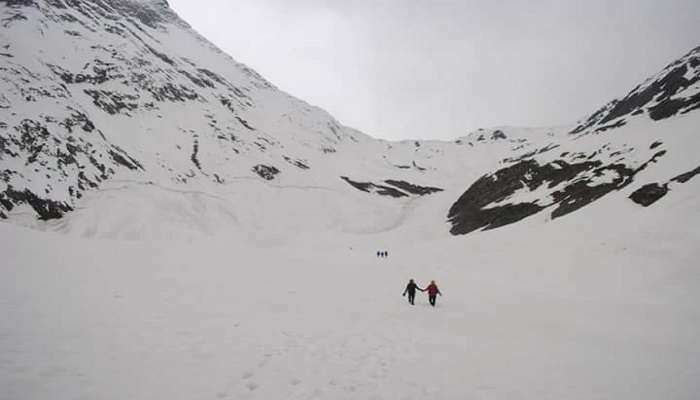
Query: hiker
[[379, 254], [411, 290], [433, 291]]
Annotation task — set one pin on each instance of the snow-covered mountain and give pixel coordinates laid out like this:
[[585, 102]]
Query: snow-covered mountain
[[119, 120], [647, 136]]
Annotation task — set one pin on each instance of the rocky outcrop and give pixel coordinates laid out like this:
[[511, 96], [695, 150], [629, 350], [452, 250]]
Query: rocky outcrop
[[668, 93], [649, 194], [370, 187], [64, 121], [266, 172], [413, 189], [652, 192], [495, 199]]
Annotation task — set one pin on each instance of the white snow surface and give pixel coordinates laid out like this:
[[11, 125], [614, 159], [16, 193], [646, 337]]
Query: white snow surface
[[536, 311]]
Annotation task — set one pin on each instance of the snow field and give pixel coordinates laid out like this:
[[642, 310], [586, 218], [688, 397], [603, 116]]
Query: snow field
[[572, 312]]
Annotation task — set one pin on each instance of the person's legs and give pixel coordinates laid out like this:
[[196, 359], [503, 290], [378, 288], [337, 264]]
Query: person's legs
[[412, 298], [432, 300]]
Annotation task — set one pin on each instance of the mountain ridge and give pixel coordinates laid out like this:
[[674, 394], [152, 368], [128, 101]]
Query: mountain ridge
[[98, 92]]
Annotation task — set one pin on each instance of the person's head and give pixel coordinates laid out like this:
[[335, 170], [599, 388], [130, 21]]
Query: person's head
[[432, 282], [410, 281]]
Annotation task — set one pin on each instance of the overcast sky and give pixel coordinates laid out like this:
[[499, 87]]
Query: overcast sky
[[435, 69]]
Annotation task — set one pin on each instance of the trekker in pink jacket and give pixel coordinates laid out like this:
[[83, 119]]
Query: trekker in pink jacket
[[433, 291]]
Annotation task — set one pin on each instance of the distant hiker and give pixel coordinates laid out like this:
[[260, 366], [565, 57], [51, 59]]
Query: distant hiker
[[433, 291], [379, 254], [411, 290]]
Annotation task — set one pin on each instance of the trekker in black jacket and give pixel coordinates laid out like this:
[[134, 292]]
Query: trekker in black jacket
[[411, 290]]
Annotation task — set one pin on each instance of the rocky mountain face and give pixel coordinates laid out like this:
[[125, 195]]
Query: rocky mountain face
[[89, 88], [102, 97], [603, 154]]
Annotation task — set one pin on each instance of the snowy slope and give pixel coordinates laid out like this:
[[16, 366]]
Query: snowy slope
[[118, 120], [562, 310]]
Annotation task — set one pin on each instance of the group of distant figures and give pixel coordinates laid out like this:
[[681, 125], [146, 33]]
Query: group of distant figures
[[432, 290], [382, 254]]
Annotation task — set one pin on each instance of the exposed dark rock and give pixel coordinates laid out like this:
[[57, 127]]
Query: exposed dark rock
[[45, 208], [213, 76], [657, 96], [245, 123], [172, 93], [413, 189], [363, 186], [482, 207], [371, 187], [201, 82], [124, 160], [195, 151], [617, 124], [649, 194], [581, 193], [498, 134], [111, 102], [520, 158], [101, 73], [685, 177], [297, 163], [593, 119], [266, 172], [416, 166], [470, 212], [547, 148], [78, 118], [661, 89], [18, 3], [653, 159], [160, 55], [655, 145], [31, 133], [670, 107]]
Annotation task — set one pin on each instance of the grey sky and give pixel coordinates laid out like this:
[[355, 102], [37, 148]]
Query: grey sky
[[436, 69]]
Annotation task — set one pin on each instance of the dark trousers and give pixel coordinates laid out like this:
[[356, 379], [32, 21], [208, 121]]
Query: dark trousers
[[431, 299], [412, 297]]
